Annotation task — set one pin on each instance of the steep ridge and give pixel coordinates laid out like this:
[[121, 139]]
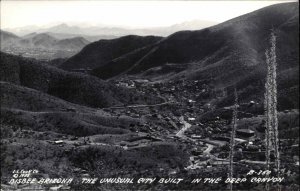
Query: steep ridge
[[226, 55], [229, 49], [73, 87], [23, 98], [33, 110], [30, 109], [99, 53]]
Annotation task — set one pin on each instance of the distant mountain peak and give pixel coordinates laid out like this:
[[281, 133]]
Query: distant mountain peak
[[45, 41], [63, 25]]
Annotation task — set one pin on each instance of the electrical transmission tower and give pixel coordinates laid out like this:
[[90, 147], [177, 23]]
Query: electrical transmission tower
[[270, 106], [232, 140]]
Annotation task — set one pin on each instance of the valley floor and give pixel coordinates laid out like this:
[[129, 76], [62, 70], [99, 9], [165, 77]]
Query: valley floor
[[181, 137]]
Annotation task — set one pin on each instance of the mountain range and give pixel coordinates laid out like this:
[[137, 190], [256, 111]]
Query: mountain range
[[41, 40], [243, 39], [141, 103], [227, 54], [106, 32]]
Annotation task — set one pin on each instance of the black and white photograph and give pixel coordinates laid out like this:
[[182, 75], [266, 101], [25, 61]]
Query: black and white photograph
[[162, 95]]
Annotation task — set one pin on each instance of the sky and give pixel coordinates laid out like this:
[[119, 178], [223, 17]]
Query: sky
[[134, 14]]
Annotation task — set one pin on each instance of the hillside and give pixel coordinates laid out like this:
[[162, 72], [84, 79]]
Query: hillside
[[27, 99], [87, 37], [99, 53], [41, 104], [32, 120], [155, 107], [7, 38], [240, 42], [42, 46], [225, 54], [75, 43], [73, 87], [38, 40], [47, 41], [35, 110]]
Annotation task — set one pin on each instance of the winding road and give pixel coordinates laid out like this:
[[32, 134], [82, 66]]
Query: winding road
[[137, 106], [186, 126]]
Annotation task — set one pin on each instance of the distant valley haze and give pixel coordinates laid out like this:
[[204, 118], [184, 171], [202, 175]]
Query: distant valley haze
[[60, 29], [103, 30], [64, 40], [100, 18]]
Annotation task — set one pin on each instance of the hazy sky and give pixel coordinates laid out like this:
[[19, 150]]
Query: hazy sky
[[122, 13]]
